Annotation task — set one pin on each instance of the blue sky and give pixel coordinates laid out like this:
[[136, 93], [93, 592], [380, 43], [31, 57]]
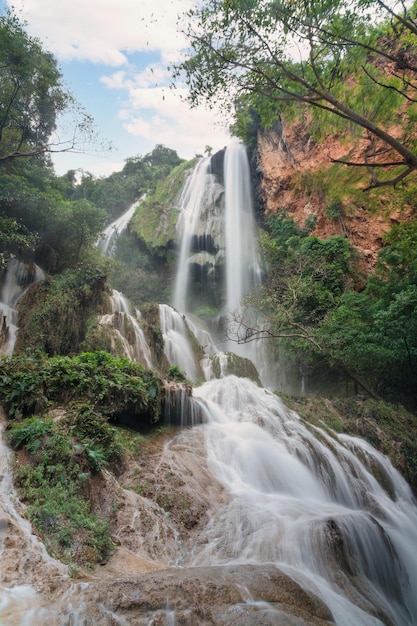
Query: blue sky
[[114, 56]]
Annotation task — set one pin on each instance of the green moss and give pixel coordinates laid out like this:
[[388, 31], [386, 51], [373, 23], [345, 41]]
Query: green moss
[[54, 315], [100, 337], [236, 366], [155, 219], [60, 458], [153, 333]]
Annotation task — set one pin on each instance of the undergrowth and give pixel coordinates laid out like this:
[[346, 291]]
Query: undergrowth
[[63, 413]]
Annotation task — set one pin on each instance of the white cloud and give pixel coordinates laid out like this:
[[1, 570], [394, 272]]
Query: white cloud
[[104, 31], [155, 113], [173, 123], [108, 32]]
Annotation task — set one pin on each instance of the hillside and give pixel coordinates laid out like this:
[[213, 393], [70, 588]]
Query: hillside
[[298, 176]]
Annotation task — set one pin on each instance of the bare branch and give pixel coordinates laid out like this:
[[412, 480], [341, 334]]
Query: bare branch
[[391, 87]]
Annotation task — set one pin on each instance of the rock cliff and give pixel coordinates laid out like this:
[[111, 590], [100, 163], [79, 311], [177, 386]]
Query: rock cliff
[[300, 176]]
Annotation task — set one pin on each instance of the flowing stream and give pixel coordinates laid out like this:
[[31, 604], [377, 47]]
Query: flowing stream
[[308, 501], [325, 509]]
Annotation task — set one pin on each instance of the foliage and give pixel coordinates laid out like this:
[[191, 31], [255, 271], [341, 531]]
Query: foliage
[[155, 219], [32, 96], [137, 274], [307, 275], [61, 456], [57, 232], [54, 314], [115, 193], [375, 331], [116, 388], [66, 448], [15, 238], [309, 303], [176, 374], [272, 56]]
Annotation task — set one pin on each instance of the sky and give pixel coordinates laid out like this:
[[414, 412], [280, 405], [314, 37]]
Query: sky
[[114, 56]]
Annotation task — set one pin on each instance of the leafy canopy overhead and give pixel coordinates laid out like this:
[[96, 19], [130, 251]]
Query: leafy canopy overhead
[[270, 54], [32, 97]]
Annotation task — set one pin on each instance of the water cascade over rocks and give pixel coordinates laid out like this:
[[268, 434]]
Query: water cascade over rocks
[[127, 332], [107, 241], [301, 526], [13, 283]]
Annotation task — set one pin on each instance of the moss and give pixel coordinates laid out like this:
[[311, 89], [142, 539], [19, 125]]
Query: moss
[[55, 462], [54, 316], [155, 219], [153, 334], [236, 366], [101, 337]]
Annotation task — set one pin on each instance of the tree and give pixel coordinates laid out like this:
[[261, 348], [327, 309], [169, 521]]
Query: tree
[[32, 97], [14, 239], [307, 284], [75, 227], [272, 54]]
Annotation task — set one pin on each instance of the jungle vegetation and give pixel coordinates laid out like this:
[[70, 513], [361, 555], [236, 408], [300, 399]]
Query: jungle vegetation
[[65, 403], [350, 67]]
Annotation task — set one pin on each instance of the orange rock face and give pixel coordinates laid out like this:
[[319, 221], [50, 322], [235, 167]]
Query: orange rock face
[[285, 161]]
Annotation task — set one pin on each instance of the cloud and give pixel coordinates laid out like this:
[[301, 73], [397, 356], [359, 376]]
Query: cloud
[[158, 114], [133, 100], [104, 31]]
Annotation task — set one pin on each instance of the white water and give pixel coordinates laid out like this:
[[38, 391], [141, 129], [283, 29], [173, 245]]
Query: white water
[[201, 219], [127, 331], [124, 320], [19, 602], [243, 263], [177, 344], [299, 497], [309, 505], [107, 241], [16, 281]]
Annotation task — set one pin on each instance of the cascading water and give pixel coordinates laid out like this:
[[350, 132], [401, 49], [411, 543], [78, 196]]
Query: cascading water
[[107, 241], [127, 330], [124, 319], [308, 501], [200, 229], [243, 264], [15, 281], [177, 345], [327, 511]]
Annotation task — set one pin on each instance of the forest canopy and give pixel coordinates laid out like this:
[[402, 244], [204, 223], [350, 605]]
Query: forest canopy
[[352, 59]]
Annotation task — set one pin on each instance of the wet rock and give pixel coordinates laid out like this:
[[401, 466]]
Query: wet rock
[[207, 596]]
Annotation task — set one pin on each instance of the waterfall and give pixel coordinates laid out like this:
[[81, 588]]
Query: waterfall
[[124, 321], [243, 266], [22, 556], [216, 228], [13, 284], [107, 240], [177, 342], [325, 510], [125, 324], [199, 225], [308, 501], [328, 510]]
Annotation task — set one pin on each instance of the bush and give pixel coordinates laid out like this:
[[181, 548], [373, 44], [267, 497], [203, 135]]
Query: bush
[[113, 387], [52, 482]]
